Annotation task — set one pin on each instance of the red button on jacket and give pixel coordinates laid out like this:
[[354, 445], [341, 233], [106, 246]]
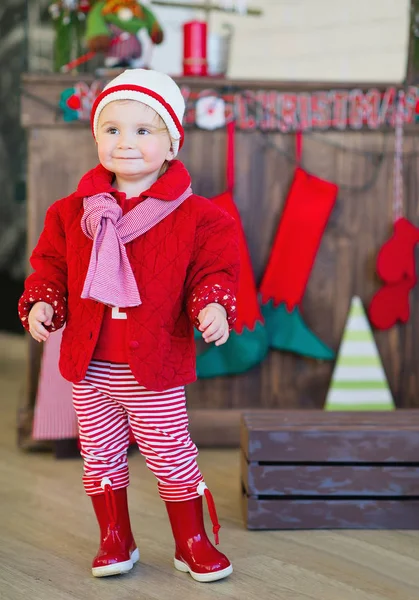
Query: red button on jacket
[[183, 263]]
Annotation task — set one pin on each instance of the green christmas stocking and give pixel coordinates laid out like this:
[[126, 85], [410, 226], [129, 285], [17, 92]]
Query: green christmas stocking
[[307, 210], [248, 343]]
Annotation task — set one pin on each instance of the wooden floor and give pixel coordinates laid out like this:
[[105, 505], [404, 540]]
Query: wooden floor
[[48, 535]]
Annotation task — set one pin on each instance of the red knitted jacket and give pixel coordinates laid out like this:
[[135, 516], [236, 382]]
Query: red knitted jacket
[[182, 264]]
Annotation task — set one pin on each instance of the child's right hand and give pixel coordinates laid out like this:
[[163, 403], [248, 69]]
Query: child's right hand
[[40, 313]]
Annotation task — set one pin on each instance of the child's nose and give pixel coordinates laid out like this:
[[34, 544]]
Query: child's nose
[[126, 140]]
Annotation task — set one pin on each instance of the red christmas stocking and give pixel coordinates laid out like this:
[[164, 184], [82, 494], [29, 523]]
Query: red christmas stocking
[[248, 309], [248, 342], [306, 213]]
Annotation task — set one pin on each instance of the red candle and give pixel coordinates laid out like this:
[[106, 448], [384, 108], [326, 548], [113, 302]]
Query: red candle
[[195, 48]]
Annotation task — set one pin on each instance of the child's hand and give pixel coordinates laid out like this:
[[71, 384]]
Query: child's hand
[[213, 322], [40, 313]]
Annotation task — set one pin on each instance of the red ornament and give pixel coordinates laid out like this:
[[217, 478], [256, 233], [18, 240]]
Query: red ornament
[[74, 102], [84, 6], [195, 48]]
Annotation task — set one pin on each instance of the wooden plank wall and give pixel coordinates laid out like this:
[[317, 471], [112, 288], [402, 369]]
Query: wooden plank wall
[[59, 154], [345, 265]]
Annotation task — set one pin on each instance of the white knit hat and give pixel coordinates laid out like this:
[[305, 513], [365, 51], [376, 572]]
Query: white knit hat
[[152, 88]]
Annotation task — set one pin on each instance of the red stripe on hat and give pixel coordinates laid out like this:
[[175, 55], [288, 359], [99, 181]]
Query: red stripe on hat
[[143, 90]]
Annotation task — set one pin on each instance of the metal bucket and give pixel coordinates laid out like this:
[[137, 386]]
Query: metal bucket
[[218, 51]]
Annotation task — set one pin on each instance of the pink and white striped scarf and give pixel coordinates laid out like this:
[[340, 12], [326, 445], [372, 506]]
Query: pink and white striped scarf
[[109, 278]]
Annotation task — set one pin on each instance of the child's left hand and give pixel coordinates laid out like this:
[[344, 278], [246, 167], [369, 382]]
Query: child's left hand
[[213, 322]]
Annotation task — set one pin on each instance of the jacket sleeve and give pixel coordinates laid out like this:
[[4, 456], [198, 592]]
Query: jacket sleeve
[[213, 274], [48, 282]]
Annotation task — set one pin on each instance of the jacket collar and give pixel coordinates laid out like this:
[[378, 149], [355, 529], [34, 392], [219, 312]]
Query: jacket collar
[[168, 187]]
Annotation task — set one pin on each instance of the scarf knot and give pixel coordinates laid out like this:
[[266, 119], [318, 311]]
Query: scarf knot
[[96, 208]]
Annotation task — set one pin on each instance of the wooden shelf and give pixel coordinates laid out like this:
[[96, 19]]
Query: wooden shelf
[[206, 82]]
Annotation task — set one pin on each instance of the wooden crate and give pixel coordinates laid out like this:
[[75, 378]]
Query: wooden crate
[[309, 469]]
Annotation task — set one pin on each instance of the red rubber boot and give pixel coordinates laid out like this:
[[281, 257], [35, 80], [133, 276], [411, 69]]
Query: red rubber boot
[[194, 552], [117, 551]]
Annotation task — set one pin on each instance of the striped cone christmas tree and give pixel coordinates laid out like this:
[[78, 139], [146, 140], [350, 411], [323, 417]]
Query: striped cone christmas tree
[[359, 381]]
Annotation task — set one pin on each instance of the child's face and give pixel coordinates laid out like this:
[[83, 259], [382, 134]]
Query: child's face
[[132, 140]]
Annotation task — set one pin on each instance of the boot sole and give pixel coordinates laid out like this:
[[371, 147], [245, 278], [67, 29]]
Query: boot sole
[[117, 568], [203, 577]]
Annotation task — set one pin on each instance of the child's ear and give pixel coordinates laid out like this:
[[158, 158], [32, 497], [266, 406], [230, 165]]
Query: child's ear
[[170, 155]]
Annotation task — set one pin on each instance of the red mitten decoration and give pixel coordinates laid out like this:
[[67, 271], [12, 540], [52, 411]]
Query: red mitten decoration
[[396, 258], [391, 304], [396, 267]]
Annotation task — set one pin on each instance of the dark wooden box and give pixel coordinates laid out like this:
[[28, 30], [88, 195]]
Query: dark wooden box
[[324, 470]]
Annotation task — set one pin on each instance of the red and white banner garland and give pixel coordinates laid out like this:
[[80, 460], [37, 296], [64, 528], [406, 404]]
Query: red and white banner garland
[[273, 110]]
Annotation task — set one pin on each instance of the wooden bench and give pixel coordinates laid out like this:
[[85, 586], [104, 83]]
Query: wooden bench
[[309, 469]]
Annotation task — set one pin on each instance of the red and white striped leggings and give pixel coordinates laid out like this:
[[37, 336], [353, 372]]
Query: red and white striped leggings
[[107, 402]]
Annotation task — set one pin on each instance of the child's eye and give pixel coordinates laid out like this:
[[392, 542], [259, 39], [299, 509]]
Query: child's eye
[[112, 130], [143, 131]]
